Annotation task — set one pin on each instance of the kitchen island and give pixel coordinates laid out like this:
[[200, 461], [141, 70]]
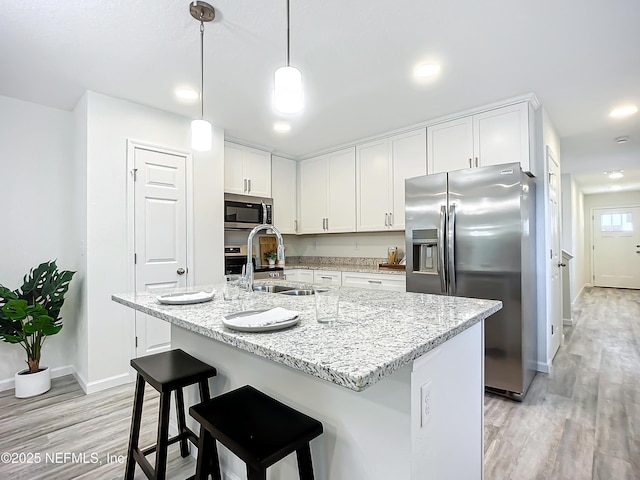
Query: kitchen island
[[397, 382]]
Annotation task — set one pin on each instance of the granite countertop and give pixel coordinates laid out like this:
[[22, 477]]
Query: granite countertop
[[375, 336], [342, 268]]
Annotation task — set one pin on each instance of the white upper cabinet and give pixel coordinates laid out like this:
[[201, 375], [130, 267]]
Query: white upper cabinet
[[247, 171], [283, 192], [493, 137], [382, 167], [450, 145], [327, 197]]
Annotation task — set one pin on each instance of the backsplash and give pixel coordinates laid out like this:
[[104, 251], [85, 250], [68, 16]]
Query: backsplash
[[342, 261], [371, 245]]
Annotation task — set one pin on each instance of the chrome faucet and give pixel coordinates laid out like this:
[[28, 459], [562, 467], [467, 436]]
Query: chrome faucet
[[248, 270]]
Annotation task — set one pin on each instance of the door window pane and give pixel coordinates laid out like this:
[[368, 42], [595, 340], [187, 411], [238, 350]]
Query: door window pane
[[616, 222]]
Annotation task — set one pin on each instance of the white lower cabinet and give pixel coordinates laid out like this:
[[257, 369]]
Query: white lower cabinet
[[299, 275], [327, 277], [380, 281]]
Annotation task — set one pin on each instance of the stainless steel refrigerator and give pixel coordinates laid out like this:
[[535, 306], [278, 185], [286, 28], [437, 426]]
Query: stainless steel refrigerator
[[471, 233]]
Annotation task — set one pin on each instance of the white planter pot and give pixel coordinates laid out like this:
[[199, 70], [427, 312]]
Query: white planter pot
[[32, 384]]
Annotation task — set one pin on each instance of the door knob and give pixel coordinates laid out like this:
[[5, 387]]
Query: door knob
[[180, 271], [562, 265]]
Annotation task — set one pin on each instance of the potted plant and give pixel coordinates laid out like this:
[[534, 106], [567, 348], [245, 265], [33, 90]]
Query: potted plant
[[28, 316], [271, 257]]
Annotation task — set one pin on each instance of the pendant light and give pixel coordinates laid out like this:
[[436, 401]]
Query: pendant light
[[201, 130], [287, 85]]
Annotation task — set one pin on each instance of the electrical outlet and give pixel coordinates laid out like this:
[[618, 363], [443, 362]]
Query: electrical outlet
[[425, 403]]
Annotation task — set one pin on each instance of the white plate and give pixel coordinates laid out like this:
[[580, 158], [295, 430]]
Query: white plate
[[228, 322], [186, 298]]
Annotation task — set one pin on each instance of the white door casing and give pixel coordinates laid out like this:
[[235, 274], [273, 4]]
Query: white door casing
[[554, 303], [160, 222], [615, 233]]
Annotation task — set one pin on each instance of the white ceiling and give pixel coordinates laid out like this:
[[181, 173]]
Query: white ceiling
[[580, 57]]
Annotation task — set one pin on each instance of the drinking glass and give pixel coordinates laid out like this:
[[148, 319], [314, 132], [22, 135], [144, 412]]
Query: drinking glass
[[327, 303]]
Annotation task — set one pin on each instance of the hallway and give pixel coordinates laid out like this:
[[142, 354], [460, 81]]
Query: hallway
[[583, 420]]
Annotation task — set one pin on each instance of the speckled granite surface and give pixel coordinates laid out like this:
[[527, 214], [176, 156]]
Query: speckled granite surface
[[341, 264], [376, 334]]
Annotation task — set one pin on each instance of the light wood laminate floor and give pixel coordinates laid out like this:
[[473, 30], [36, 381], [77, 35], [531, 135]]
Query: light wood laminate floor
[[580, 422]]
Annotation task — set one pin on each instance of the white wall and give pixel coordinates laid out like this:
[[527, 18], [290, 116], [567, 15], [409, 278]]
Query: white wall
[[602, 200], [573, 233], [110, 123], [38, 211], [546, 136], [369, 245]]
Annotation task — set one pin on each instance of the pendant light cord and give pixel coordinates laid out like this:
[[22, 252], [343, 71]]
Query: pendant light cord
[[202, 69], [288, 35]]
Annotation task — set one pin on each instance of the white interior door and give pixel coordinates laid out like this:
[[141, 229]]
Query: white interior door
[[616, 247], [554, 302], [160, 226]]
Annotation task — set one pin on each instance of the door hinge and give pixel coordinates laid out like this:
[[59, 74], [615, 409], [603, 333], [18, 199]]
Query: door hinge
[[136, 342], [134, 174], [135, 258]]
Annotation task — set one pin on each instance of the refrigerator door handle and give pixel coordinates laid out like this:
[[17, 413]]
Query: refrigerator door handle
[[441, 270], [451, 259]]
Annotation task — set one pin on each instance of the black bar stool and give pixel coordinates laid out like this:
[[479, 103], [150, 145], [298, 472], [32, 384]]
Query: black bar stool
[[166, 372], [255, 427]]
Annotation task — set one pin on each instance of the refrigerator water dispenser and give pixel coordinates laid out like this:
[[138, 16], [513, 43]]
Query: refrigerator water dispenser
[[425, 251]]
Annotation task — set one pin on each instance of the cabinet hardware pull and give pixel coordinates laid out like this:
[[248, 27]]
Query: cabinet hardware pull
[[245, 185], [295, 225], [326, 278], [470, 165], [375, 281], [477, 164], [249, 181], [327, 223], [386, 219], [390, 219]]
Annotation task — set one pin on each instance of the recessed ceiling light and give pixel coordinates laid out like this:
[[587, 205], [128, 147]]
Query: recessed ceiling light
[[187, 94], [614, 174], [426, 70], [624, 111], [281, 127]]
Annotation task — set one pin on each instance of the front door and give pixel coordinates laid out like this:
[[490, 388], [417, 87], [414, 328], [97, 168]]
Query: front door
[[555, 285], [616, 247], [160, 226]]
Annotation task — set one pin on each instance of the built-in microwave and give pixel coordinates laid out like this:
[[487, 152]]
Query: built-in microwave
[[245, 212]]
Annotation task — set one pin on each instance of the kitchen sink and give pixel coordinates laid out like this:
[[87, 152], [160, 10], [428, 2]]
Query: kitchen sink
[[283, 290], [272, 288], [298, 292]]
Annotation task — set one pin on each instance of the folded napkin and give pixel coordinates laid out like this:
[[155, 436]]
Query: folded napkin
[[262, 319], [186, 297]]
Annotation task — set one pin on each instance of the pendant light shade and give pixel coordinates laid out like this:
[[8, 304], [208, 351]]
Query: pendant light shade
[[287, 84], [201, 130], [201, 135], [288, 90]]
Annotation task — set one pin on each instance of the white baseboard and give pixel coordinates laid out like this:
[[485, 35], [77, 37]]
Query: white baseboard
[[99, 385], [568, 322], [9, 383], [543, 367]]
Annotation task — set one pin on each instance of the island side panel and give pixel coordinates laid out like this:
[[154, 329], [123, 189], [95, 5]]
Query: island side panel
[[367, 435], [448, 382]]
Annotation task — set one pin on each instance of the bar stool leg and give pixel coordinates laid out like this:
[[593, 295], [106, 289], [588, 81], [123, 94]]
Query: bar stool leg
[[305, 467], [256, 473], [208, 462], [163, 436], [136, 417], [182, 425], [204, 390]]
